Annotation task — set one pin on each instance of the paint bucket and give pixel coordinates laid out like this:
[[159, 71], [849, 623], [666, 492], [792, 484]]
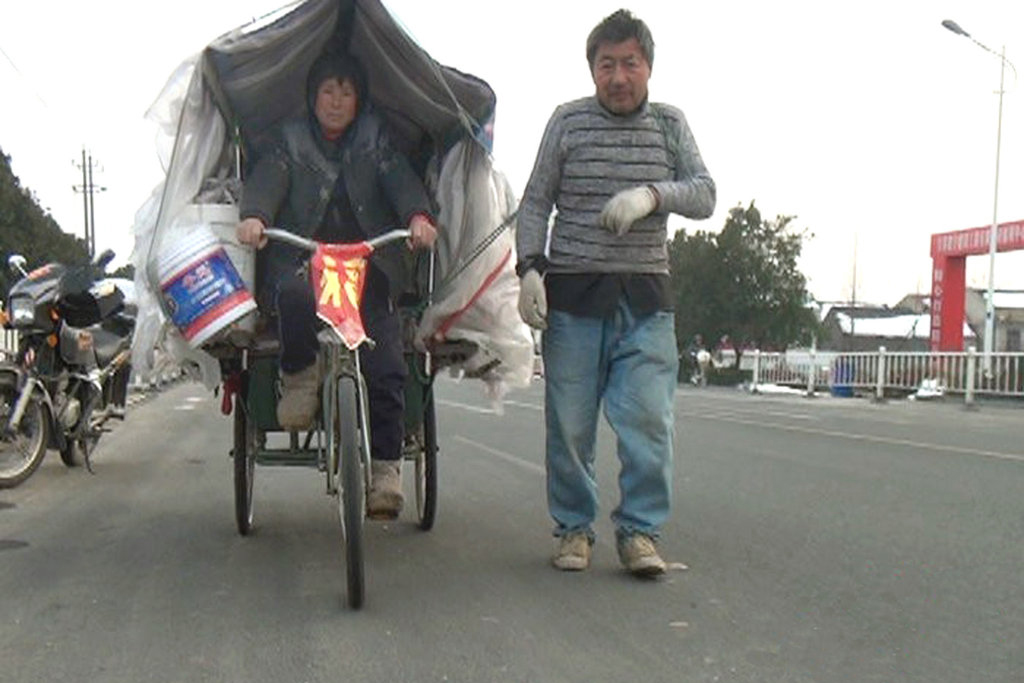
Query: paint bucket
[[202, 290], [223, 219]]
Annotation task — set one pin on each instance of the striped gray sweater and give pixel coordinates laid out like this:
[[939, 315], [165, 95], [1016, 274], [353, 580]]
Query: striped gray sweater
[[587, 155]]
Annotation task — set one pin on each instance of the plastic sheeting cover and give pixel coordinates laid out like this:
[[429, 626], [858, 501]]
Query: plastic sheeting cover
[[441, 119]]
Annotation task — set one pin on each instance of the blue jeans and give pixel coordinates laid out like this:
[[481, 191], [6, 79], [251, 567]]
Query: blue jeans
[[630, 365]]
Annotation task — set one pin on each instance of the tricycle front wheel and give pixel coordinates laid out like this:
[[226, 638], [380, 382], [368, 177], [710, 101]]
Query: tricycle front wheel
[[351, 489]]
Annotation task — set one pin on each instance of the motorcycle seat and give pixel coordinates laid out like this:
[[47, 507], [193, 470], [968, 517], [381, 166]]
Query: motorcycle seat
[[107, 345]]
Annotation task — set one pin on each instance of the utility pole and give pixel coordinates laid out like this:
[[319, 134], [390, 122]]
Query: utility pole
[[853, 287], [87, 188]]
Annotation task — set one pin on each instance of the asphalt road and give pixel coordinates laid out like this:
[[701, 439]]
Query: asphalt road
[[827, 540]]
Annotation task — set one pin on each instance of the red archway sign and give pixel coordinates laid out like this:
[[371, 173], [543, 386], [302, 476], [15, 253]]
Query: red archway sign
[[949, 266]]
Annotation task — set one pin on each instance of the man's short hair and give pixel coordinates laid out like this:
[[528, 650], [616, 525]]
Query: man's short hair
[[618, 28]]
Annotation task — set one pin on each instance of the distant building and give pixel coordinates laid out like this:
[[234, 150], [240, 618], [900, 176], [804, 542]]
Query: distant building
[[1009, 312], [1009, 321], [917, 303], [864, 327]]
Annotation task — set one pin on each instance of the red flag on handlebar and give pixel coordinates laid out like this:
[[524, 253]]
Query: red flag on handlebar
[[338, 272]]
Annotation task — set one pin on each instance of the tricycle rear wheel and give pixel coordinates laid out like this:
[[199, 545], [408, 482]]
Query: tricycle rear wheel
[[244, 457], [426, 465]]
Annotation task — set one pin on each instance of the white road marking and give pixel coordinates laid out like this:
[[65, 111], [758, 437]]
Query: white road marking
[[1012, 457], [1009, 457], [466, 406], [508, 457], [528, 406]]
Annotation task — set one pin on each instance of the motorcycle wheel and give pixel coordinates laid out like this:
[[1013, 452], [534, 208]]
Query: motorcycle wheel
[[73, 455], [22, 452]]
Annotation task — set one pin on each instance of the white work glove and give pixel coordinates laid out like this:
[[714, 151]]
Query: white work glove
[[533, 300], [627, 207]]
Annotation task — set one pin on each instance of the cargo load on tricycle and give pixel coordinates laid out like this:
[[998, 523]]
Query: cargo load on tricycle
[[202, 292]]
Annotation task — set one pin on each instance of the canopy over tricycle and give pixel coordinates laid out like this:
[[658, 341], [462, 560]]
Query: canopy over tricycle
[[195, 281]]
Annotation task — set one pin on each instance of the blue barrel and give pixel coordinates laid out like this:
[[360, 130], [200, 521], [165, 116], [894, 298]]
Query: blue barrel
[[842, 378]]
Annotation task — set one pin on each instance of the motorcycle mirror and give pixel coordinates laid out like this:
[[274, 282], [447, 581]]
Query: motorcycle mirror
[[103, 258], [16, 262]]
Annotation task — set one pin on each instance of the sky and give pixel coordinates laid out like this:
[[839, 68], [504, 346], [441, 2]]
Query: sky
[[868, 121]]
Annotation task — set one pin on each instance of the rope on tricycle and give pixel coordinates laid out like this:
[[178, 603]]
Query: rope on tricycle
[[479, 249]]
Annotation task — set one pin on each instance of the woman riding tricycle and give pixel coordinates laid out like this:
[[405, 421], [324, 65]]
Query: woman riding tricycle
[[279, 125], [335, 176]]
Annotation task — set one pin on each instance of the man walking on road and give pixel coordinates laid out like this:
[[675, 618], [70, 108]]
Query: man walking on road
[[613, 166]]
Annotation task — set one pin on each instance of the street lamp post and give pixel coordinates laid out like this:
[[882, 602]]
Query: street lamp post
[[990, 316]]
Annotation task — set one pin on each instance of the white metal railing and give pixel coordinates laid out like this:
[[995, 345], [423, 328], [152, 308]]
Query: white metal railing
[[881, 373]]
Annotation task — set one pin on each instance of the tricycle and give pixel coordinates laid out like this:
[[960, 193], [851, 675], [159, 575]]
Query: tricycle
[[221, 107], [338, 444]]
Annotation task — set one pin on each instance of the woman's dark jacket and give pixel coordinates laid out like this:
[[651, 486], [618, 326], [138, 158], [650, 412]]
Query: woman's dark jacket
[[290, 187]]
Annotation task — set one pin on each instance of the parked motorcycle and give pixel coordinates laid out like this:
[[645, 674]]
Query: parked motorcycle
[[69, 375]]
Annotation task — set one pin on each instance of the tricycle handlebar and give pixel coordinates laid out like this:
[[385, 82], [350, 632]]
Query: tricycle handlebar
[[311, 245]]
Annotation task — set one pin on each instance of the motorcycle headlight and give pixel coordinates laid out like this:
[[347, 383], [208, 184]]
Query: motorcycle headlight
[[22, 312]]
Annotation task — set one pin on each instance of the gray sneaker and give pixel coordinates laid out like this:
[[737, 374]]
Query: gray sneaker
[[573, 552], [639, 555]]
